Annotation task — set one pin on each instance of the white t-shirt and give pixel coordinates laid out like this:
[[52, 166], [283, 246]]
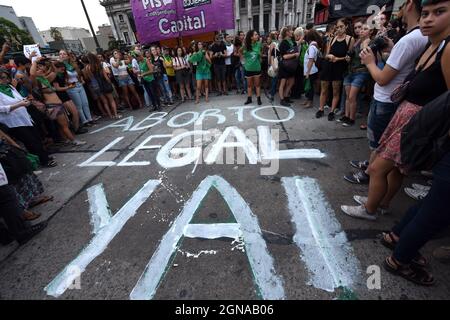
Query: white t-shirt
[[135, 65], [122, 70], [402, 58], [311, 53], [230, 50]]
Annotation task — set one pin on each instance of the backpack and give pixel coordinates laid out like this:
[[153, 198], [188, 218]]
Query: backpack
[[426, 138]]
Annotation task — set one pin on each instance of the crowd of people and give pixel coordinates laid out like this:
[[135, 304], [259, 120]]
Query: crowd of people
[[391, 73]]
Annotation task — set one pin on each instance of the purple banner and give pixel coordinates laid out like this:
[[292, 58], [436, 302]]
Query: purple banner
[[167, 19]]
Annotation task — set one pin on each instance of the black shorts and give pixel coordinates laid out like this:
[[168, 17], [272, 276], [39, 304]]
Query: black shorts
[[249, 74], [220, 71]]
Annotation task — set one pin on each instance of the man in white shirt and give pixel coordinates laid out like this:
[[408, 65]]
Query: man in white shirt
[[399, 65], [229, 66]]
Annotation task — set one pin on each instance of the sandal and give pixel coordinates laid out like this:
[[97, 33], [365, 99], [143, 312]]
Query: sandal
[[389, 242], [40, 201], [416, 275], [30, 216]]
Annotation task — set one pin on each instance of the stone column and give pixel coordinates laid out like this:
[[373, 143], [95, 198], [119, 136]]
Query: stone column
[[113, 27], [237, 15], [273, 15], [130, 29], [249, 15], [261, 16]]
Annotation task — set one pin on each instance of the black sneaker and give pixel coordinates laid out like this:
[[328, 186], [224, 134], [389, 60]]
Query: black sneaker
[[31, 232], [361, 165], [249, 101], [343, 119], [259, 101], [285, 103], [348, 123], [288, 100], [331, 116], [319, 114], [358, 178]]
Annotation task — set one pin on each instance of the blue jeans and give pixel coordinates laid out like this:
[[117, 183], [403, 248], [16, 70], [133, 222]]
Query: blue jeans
[[241, 81], [426, 219], [164, 86], [273, 87], [79, 97], [380, 115]]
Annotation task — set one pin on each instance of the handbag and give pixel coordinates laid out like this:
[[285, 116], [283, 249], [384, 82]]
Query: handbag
[[14, 161], [399, 93], [291, 65]]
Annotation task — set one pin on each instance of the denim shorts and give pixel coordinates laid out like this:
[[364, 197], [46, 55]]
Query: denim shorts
[[380, 115], [357, 80], [125, 81]]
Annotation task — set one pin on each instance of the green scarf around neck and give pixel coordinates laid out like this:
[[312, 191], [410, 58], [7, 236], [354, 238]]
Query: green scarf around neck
[[44, 81], [69, 67], [6, 89]]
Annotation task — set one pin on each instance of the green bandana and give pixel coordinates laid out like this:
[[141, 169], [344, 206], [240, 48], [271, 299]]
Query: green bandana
[[6, 89], [44, 81], [69, 67]]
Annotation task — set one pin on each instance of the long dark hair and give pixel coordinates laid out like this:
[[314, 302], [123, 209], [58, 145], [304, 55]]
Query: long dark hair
[[94, 63], [248, 40], [313, 35]]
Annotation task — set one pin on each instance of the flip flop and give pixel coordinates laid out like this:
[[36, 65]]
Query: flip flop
[[41, 201], [30, 216], [411, 273]]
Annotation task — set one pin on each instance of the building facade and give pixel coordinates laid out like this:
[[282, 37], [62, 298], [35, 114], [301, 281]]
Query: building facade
[[68, 33], [24, 23], [261, 15]]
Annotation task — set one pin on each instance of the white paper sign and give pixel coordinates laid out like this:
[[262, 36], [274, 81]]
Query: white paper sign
[[3, 178], [28, 49]]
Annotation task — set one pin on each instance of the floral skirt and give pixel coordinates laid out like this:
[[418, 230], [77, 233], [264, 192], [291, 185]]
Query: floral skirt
[[28, 188], [390, 142]]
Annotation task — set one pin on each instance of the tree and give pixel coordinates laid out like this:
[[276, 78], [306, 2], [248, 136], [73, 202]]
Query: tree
[[116, 44], [16, 37], [56, 34]]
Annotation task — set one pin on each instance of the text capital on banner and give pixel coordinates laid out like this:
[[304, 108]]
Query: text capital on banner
[[158, 20]]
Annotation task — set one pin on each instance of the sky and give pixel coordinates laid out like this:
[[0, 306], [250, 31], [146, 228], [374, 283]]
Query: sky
[[59, 13]]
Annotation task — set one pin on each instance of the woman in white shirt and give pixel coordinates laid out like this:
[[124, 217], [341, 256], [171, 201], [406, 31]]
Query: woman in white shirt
[[126, 84], [183, 74], [310, 69], [14, 115]]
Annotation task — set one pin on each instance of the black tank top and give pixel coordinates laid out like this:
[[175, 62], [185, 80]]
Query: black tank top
[[429, 84], [339, 49]]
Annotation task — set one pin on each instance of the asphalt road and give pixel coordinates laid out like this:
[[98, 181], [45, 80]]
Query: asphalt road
[[198, 229]]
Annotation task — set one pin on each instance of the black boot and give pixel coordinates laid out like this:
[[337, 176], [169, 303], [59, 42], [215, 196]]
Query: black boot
[[259, 101], [249, 101]]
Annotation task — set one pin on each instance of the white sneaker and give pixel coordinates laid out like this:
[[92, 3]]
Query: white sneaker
[[420, 187], [78, 143], [363, 200], [416, 194], [326, 107], [359, 212]]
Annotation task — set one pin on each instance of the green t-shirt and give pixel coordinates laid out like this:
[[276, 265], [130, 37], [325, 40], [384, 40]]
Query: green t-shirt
[[203, 66], [253, 58], [144, 68]]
